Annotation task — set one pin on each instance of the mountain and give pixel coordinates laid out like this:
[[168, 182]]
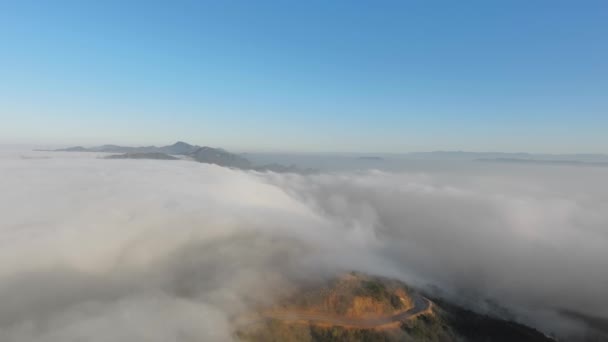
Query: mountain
[[371, 158], [544, 162], [76, 149], [200, 154], [358, 307], [280, 168], [598, 326], [219, 157], [472, 156], [117, 149], [180, 148], [143, 155]]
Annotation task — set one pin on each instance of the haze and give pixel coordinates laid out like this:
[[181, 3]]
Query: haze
[[167, 249], [167, 167]]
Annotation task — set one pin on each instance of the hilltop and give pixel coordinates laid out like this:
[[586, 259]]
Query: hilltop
[[359, 307]]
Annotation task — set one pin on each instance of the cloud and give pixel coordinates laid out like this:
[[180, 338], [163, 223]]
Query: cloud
[[128, 250], [533, 242]]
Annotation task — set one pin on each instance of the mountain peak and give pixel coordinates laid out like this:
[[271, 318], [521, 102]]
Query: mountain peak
[[181, 144]]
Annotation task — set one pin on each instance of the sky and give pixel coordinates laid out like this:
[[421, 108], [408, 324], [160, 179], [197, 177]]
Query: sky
[[307, 76]]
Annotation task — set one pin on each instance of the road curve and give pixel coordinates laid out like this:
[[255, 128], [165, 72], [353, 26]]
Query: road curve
[[421, 305]]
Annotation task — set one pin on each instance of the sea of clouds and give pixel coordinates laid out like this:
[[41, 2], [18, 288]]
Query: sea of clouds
[[143, 250]]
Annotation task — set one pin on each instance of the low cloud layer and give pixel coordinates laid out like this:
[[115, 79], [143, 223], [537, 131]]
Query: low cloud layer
[[129, 250]]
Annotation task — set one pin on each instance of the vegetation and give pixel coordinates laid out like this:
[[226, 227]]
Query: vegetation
[[428, 328], [476, 327], [446, 323], [374, 289], [342, 334], [377, 290], [275, 331]]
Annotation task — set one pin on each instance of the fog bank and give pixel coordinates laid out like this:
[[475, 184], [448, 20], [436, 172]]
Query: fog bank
[[136, 250]]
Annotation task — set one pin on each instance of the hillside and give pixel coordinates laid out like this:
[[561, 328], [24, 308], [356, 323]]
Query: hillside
[[219, 157], [358, 307]]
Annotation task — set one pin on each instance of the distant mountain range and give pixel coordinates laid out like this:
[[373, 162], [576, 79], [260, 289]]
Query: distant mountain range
[[544, 162], [179, 148], [201, 154], [371, 158], [143, 155], [486, 156], [221, 157]]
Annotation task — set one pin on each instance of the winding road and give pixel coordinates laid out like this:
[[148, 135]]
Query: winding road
[[421, 305]]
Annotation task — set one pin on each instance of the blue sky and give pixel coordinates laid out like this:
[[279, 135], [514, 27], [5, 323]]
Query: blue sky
[[367, 76]]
